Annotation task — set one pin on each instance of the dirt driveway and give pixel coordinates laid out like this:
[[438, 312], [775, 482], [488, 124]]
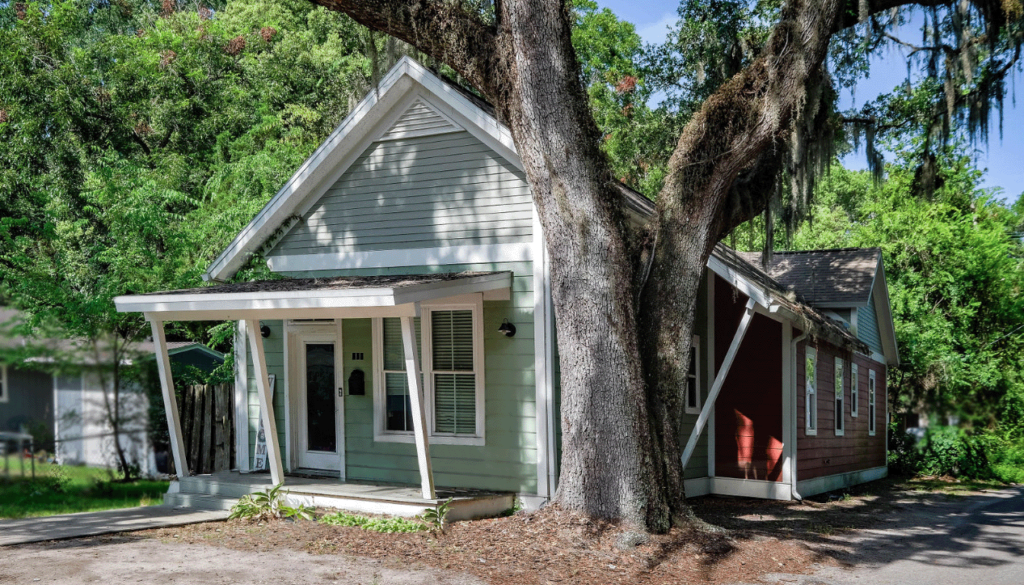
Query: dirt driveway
[[132, 559]]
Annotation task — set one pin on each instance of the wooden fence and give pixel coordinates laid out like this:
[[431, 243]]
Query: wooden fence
[[207, 423]]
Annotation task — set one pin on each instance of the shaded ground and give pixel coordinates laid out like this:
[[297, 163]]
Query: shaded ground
[[883, 525]]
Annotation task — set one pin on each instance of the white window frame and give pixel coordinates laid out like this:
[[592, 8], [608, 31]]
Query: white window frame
[[695, 374], [5, 389], [854, 390], [811, 393], [473, 303], [840, 414], [872, 405]]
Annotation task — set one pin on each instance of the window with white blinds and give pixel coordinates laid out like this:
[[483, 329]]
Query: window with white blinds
[[454, 381], [450, 345]]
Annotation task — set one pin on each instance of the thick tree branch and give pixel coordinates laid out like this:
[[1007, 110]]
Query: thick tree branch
[[446, 31]]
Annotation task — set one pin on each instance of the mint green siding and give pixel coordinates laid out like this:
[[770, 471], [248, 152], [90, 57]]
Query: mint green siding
[[867, 326], [425, 192], [508, 460]]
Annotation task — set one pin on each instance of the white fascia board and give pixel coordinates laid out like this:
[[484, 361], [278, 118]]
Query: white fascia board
[[488, 253], [739, 281], [407, 78]]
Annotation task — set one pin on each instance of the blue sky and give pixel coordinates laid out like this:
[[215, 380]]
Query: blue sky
[[1003, 157]]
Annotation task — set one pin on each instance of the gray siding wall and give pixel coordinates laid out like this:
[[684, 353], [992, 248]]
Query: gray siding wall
[[867, 326], [698, 464], [29, 400], [425, 192]]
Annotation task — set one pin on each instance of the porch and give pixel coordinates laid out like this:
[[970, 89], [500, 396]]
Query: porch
[[222, 489]]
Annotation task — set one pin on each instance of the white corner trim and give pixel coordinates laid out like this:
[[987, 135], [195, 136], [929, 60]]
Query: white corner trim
[[710, 345], [820, 485], [750, 488], [408, 257], [542, 391], [406, 78]]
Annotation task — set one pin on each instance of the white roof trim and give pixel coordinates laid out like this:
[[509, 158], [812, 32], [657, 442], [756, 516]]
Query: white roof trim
[[299, 304], [406, 82]]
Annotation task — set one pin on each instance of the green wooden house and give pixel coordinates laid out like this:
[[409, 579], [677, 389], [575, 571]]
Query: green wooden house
[[408, 354]]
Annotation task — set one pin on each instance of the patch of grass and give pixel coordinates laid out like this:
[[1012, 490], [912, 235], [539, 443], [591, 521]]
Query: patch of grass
[[386, 525], [59, 489]]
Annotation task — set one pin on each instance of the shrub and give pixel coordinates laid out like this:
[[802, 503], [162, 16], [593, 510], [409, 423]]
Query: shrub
[[268, 504], [385, 525]]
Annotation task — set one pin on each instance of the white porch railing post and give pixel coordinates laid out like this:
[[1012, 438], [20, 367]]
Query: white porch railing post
[[163, 365], [716, 387], [419, 419], [259, 362]]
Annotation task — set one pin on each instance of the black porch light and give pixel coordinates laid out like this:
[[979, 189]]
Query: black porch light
[[264, 331], [507, 329]]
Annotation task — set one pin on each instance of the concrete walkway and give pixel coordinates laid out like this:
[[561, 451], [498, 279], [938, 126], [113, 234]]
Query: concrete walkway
[[27, 530]]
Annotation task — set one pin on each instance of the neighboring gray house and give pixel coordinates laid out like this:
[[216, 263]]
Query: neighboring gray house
[[66, 410], [26, 395]]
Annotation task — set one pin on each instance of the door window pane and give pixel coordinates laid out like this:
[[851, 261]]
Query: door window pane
[[321, 422]]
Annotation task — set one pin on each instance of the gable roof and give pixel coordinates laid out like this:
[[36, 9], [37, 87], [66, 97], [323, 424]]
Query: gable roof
[[825, 278], [441, 106]]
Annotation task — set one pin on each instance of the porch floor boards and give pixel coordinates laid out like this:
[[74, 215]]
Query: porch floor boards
[[302, 484]]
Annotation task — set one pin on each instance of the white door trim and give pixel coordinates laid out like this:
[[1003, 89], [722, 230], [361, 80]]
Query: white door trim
[[298, 338]]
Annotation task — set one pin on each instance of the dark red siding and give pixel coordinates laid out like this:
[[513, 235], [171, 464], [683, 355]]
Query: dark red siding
[[825, 453], [748, 412]]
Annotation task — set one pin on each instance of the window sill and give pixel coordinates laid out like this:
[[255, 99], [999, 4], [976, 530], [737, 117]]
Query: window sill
[[840, 433], [691, 410], [810, 432], [853, 415], [433, 440]]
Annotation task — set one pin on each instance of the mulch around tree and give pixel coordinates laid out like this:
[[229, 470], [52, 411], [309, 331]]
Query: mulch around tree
[[549, 546]]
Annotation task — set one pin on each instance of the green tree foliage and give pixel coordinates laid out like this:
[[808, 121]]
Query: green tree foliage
[[139, 138]]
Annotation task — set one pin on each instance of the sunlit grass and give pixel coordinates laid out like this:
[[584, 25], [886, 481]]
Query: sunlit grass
[[59, 489]]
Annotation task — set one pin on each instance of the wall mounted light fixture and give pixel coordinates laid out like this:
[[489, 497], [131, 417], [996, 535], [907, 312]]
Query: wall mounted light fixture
[[264, 331], [507, 329]]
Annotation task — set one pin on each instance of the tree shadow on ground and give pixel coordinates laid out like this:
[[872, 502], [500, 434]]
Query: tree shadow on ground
[[884, 522]]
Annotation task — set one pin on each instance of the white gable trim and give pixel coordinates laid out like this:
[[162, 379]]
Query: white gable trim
[[442, 256], [883, 315], [407, 81]]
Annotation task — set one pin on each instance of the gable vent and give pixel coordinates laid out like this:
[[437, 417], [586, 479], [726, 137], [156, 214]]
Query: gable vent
[[420, 120]]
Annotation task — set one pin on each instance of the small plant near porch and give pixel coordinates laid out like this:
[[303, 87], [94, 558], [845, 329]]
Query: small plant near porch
[[393, 525], [268, 504]]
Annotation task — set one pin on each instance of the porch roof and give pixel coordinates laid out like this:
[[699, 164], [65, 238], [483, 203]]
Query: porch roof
[[310, 298]]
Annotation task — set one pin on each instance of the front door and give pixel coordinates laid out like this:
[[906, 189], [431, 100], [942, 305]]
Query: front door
[[319, 401]]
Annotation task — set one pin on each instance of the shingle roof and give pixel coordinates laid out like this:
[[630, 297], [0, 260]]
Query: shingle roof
[[841, 277], [325, 284]]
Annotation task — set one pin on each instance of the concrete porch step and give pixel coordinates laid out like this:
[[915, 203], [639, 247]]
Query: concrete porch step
[[199, 501], [205, 485]]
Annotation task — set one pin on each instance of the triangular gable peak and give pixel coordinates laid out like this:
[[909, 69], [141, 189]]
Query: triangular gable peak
[[410, 102]]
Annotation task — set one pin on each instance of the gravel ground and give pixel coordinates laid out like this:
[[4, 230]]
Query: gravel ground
[[123, 560]]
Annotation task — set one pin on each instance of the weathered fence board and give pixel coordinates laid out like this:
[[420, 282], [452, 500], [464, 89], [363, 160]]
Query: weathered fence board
[[208, 425]]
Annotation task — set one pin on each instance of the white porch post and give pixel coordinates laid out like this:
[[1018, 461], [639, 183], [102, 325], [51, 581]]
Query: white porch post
[[259, 362], [419, 417], [723, 372], [163, 365]]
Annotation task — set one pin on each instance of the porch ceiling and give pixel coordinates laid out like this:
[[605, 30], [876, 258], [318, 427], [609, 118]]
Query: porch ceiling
[[315, 298]]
